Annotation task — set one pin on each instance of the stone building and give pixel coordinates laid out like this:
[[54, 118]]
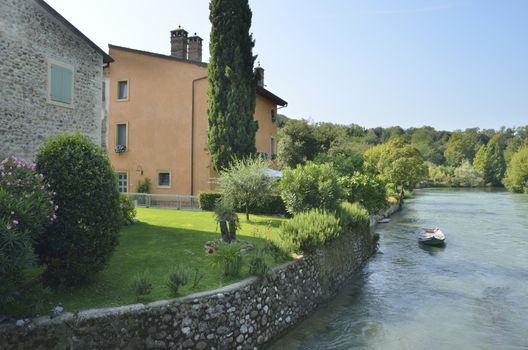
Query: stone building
[[158, 117], [50, 78]]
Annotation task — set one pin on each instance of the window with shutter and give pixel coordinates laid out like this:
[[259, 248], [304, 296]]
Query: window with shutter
[[60, 84]]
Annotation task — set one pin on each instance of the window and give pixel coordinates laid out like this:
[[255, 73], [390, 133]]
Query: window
[[273, 116], [60, 84], [272, 148], [122, 182], [122, 135], [122, 90], [164, 179]]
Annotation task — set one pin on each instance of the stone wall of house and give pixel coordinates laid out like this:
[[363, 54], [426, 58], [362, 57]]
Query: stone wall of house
[[247, 315], [29, 38]]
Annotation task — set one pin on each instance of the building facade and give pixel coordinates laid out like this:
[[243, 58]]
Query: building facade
[[157, 125], [50, 78]]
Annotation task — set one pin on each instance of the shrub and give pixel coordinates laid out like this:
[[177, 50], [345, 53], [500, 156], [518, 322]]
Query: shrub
[[273, 206], [26, 207], [309, 230], [128, 210], [257, 263], [467, 176], [310, 186], [368, 190], [141, 285], [208, 200], [228, 257], [227, 219], [178, 277], [352, 216], [81, 241], [144, 186]]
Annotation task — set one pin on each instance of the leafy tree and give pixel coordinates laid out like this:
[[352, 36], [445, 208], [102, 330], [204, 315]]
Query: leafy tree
[[399, 164], [441, 175], [368, 190], [489, 160], [232, 83], [297, 143], [309, 187], [84, 236], [245, 184], [516, 179], [462, 145], [467, 176]]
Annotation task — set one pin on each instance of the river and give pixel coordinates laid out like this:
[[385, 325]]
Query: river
[[471, 294]]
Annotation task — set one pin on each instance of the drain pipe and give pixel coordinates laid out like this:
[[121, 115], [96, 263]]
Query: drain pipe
[[192, 132]]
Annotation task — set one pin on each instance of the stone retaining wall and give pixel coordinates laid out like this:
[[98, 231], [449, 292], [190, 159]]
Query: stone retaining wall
[[246, 315]]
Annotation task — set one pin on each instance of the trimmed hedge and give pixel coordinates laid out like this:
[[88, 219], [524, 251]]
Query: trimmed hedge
[[208, 200], [274, 206]]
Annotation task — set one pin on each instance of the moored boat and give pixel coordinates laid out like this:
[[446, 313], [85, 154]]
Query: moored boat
[[431, 236]]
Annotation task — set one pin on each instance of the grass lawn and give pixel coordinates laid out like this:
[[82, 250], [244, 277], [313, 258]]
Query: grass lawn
[[163, 239]]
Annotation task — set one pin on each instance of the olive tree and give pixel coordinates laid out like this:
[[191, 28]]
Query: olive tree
[[245, 184]]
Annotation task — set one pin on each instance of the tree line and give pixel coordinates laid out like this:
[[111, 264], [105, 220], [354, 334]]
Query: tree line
[[468, 158]]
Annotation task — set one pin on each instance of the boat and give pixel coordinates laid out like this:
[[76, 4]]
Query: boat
[[384, 221], [431, 236]]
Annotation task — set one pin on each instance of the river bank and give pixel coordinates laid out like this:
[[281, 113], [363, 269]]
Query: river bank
[[474, 288]]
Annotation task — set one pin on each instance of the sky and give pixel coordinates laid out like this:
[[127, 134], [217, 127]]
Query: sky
[[445, 63]]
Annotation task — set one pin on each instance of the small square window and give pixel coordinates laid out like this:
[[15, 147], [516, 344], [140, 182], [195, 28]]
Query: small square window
[[122, 90], [60, 84], [273, 116], [164, 179]]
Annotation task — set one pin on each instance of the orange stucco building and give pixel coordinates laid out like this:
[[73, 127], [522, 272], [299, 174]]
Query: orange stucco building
[[157, 118]]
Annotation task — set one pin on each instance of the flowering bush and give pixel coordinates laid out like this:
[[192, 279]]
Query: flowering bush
[[26, 207]]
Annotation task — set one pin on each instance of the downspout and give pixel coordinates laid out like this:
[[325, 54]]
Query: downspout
[[192, 132]]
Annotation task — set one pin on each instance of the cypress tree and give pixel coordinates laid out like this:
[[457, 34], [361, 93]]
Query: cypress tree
[[232, 83]]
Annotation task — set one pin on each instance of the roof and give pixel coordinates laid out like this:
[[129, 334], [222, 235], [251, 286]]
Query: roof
[[202, 64], [260, 90], [58, 16]]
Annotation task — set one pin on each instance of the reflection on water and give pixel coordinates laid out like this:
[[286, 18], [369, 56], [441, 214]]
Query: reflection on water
[[470, 294]]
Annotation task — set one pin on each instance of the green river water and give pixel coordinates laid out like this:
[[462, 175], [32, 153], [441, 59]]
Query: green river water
[[471, 294]]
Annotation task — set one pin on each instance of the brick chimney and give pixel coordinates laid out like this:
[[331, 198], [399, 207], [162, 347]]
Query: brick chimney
[[259, 75], [195, 48], [179, 43]]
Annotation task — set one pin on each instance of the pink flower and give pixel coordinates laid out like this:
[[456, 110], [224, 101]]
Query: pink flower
[[15, 222], [56, 207]]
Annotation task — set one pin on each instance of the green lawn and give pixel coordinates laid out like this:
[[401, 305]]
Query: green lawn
[[163, 239]]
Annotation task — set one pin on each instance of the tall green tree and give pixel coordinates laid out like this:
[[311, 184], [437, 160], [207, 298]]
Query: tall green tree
[[297, 143], [516, 179], [489, 160], [232, 83]]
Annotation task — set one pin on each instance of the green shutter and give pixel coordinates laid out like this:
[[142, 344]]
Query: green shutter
[[61, 84]]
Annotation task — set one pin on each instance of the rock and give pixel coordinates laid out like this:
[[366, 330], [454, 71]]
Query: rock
[[188, 343], [243, 329], [201, 345], [222, 330], [264, 320], [240, 339]]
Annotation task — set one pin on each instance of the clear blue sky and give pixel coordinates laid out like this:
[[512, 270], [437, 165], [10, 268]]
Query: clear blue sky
[[448, 64]]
